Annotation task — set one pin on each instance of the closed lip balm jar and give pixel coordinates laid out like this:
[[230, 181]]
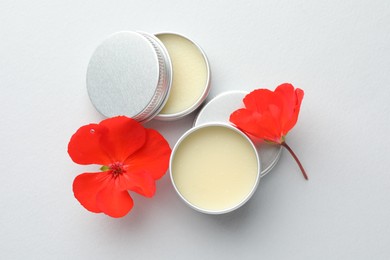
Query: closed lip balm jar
[[215, 168], [144, 76]]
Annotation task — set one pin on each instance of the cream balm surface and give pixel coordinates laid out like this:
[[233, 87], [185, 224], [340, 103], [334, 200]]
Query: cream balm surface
[[215, 168], [190, 75]]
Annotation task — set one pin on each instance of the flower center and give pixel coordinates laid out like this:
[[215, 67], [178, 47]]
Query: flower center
[[117, 168]]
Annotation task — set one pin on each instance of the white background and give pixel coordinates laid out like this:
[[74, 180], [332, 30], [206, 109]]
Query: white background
[[337, 51]]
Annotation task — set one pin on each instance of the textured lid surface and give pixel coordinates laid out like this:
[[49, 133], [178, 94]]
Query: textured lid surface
[[123, 75], [219, 110]]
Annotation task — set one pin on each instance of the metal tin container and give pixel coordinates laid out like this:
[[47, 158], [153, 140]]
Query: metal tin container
[[189, 63], [198, 164], [219, 110], [131, 74]]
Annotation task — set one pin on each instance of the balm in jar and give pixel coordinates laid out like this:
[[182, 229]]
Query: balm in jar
[[215, 168], [191, 75], [133, 74], [219, 109]]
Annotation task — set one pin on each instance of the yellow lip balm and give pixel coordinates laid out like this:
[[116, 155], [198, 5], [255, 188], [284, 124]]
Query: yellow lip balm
[[191, 73], [215, 168]]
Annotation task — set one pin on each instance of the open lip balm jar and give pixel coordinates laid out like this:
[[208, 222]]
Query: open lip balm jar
[[143, 76], [215, 168], [219, 109]]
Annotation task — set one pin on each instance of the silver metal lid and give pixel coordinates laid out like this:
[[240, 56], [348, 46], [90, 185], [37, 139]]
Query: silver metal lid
[[129, 74], [219, 110]]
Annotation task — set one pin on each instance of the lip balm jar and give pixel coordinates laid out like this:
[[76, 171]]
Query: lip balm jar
[[144, 76], [219, 109], [215, 168], [191, 76]]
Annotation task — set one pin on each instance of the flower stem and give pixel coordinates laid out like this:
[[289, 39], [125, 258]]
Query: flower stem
[[296, 159]]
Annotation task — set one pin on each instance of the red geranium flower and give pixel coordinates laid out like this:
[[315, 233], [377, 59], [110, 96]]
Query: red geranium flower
[[270, 115], [132, 156]]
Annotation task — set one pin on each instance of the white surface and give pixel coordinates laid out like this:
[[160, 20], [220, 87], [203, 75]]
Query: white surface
[[337, 51]]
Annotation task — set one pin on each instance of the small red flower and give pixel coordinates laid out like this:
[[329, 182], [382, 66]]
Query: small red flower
[[132, 156], [270, 115]]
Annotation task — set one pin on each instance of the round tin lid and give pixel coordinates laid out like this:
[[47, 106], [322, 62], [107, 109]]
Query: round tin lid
[[219, 110], [129, 74]]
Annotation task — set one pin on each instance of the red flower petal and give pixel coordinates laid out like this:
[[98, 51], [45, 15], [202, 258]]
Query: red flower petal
[[124, 137], [142, 183], [84, 146], [298, 97], [114, 202], [258, 125], [257, 100], [86, 186], [153, 157], [286, 94], [269, 115], [134, 157]]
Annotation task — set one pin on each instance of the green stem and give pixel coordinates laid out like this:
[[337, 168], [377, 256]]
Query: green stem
[[296, 159]]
